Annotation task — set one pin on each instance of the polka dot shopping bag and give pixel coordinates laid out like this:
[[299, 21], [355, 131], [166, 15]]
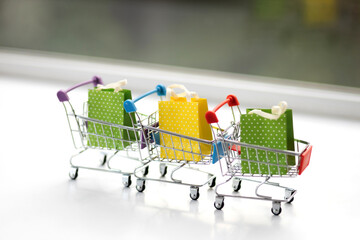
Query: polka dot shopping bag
[[271, 128], [105, 103], [183, 114]]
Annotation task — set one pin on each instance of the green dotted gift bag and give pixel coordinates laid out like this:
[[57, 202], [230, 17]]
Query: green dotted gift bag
[[106, 103], [271, 128]]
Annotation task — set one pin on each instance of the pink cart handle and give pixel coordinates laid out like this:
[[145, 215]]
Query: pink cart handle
[[63, 94], [211, 117]]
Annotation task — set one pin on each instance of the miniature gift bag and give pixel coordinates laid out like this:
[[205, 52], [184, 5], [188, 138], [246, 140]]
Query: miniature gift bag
[[271, 128], [105, 103], [185, 116]]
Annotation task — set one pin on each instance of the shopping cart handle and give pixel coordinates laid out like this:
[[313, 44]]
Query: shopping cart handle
[[231, 100], [129, 104], [63, 94]]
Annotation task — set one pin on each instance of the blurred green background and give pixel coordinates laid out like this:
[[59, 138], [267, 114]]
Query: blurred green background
[[307, 40]]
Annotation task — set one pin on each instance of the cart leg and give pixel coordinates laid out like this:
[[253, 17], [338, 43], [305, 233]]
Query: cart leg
[[194, 193], [276, 208], [163, 169], [140, 185], [126, 179], [236, 184], [73, 173], [219, 202], [289, 195]]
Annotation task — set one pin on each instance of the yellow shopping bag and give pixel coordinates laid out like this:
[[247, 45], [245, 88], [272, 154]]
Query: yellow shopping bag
[[185, 116]]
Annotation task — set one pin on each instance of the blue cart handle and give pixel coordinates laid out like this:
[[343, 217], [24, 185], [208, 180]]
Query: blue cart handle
[[129, 104]]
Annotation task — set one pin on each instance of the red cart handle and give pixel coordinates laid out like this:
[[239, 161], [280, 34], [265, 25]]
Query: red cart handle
[[211, 117]]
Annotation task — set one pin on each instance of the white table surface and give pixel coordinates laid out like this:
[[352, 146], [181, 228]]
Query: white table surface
[[39, 201]]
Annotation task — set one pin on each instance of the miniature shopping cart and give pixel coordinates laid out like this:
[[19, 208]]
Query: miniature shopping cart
[[234, 152], [85, 140], [154, 140]]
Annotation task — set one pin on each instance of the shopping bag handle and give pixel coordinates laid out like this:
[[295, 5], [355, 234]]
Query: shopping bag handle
[[211, 117], [129, 104], [63, 94], [171, 93]]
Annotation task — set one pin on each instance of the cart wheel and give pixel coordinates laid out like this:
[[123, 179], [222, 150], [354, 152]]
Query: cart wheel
[[212, 182], [291, 200], [127, 180], [73, 174], [145, 171], [236, 184], [163, 169], [276, 208], [103, 160], [276, 212], [194, 193], [288, 193], [140, 185], [219, 203]]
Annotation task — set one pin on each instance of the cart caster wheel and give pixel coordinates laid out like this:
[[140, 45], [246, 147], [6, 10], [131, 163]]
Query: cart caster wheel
[[194, 193], [276, 212], [236, 184], [163, 169], [103, 160], [140, 185], [145, 171], [288, 194], [73, 174], [127, 181], [219, 203], [212, 182], [276, 209], [291, 200]]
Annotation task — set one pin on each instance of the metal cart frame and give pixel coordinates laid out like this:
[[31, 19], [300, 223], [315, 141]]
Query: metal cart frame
[[231, 163], [83, 139], [151, 133]]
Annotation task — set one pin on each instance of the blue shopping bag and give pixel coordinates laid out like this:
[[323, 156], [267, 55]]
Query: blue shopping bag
[[219, 147], [215, 155]]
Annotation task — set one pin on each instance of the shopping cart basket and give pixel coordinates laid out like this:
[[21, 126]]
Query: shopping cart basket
[[152, 135], [85, 140], [231, 165]]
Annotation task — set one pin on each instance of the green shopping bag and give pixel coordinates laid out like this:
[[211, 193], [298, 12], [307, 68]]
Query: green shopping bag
[[107, 104], [272, 133]]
